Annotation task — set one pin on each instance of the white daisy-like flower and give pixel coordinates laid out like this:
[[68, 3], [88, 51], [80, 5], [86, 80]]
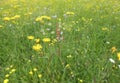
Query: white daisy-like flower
[[111, 60]]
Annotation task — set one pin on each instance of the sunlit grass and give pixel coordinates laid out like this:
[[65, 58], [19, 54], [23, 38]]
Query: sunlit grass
[[59, 41]]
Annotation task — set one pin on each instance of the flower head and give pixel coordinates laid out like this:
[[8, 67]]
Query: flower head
[[113, 49], [40, 75], [6, 18], [6, 81], [31, 73], [30, 37], [118, 55], [37, 47], [46, 40]]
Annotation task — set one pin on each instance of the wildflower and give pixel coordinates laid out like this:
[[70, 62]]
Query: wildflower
[[35, 69], [113, 49], [30, 37], [7, 75], [46, 17], [6, 18], [12, 71], [31, 73], [46, 40], [37, 47], [119, 66], [80, 80], [15, 17], [105, 29], [38, 19], [40, 75], [111, 60], [6, 81], [118, 55], [37, 40], [70, 13], [69, 56], [67, 66], [1, 26]]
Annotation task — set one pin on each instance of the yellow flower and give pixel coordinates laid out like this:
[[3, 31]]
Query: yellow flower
[[37, 47], [31, 73], [17, 16], [7, 75], [46, 17], [1, 26], [35, 69], [70, 13], [30, 37], [105, 29], [46, 40], [37, 40], [118, 54], [12, 71], [113, 49], [6, 81], [69, 56], [40, 75], [67, 66], [6, 18]]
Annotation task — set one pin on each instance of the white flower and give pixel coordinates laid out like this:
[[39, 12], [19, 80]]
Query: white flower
[[111, 60]]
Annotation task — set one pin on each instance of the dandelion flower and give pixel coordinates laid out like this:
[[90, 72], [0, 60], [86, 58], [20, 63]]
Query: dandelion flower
[[113, 49], [118, 54], [67, 66], [37, 47], [40, 75], [31, 73], [70, 13], [30, 37], [6, 18], [69, 56], [37, 40], [46, 40], [7, 75], [6, 81], [35, 69]]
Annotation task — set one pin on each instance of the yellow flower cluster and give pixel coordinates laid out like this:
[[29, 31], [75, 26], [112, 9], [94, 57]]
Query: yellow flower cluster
[[42, 18], [6, 80], [11, 18]]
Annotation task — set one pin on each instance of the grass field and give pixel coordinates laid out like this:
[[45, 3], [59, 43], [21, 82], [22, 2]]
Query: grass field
[[59, 41]]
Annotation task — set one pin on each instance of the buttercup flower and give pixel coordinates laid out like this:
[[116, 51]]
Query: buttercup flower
[[6, 81], [40, 75], [46, 40], [6, 18], [35, 69], [118, 55], [7, 75], [113, 49], [37, 47], [30, 37], [31, 73]]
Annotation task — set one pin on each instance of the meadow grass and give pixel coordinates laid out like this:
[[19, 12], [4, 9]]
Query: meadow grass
[[59, 41]]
